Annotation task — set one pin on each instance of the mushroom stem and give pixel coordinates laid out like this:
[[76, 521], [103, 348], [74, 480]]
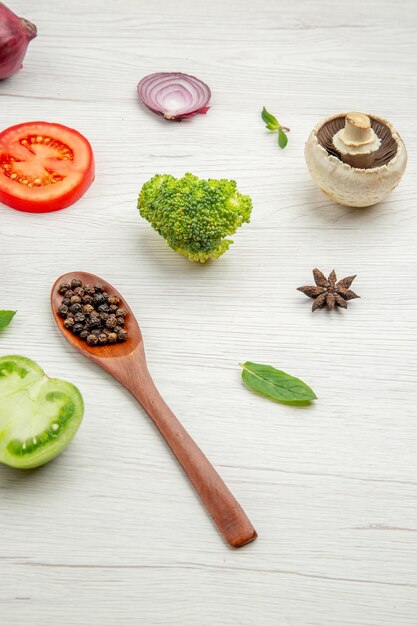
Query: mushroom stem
[[357, 129], [357, 142]]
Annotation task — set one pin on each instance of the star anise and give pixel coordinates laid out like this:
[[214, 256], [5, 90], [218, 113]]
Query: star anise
[[329, 292]]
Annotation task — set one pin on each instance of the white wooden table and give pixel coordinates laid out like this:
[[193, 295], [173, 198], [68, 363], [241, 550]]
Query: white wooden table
[[111, 533]]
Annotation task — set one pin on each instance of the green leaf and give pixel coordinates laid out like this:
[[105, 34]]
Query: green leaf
[[273, 124], [5, 318], [270, 121], [282, 139], [275, 384]]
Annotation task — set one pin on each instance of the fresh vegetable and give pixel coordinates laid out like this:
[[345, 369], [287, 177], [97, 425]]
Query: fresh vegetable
[[194, 215], [91, 313], [174, 95], [273, 125], [15, 35], [43, 166], [351, 184], [276, 384], [5, 318], [38, 415]]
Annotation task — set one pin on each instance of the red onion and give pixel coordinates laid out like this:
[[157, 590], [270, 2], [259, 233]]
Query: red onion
[[15, 34], [174, 95]]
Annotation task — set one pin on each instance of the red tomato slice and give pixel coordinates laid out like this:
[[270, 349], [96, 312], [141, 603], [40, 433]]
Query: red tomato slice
[[43, 166]]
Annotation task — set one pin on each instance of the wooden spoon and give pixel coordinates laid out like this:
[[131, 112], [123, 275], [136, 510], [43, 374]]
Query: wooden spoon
[[126, 362]]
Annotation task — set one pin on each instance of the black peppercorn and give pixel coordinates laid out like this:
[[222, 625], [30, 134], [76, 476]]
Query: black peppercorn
[[122, 335], [92, 340], [92, 313], [98, 299], [94, 322], [111, 321], [63, 288], [69, 322]]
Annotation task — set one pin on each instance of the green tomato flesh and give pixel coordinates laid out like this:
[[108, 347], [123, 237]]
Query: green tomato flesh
[[38, 415]]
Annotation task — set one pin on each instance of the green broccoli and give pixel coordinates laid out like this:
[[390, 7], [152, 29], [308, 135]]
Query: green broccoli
[[193, 215]]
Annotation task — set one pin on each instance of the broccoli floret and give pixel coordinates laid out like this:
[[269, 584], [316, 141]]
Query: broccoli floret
[[193, 215]]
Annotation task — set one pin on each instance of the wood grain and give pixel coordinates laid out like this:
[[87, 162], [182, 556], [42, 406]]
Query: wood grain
[[110, 533]]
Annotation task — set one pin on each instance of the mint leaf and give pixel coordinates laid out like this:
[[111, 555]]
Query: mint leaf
[[5, 318], [270, 121], [282, 139], [275, 384]]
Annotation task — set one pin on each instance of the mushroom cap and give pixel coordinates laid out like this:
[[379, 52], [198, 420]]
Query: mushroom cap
[[353, 186]]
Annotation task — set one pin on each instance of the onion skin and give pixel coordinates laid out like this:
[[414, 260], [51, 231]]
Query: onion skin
[[15, 35], [182, 116]]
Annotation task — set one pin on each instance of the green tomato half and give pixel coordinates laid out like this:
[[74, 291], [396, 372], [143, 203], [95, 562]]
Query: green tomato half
[[38, 415]]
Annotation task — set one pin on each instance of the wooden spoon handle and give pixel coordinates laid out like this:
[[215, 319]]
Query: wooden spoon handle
[[226, 512]]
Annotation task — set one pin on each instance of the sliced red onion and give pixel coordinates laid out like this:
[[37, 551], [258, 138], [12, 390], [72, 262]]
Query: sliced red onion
[[174, 95]]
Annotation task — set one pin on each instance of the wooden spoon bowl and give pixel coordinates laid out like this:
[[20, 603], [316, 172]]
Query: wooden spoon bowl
[[127, 363], [93, 352]]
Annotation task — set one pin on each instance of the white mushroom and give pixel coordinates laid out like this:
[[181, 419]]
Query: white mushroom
[[355, 159]]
